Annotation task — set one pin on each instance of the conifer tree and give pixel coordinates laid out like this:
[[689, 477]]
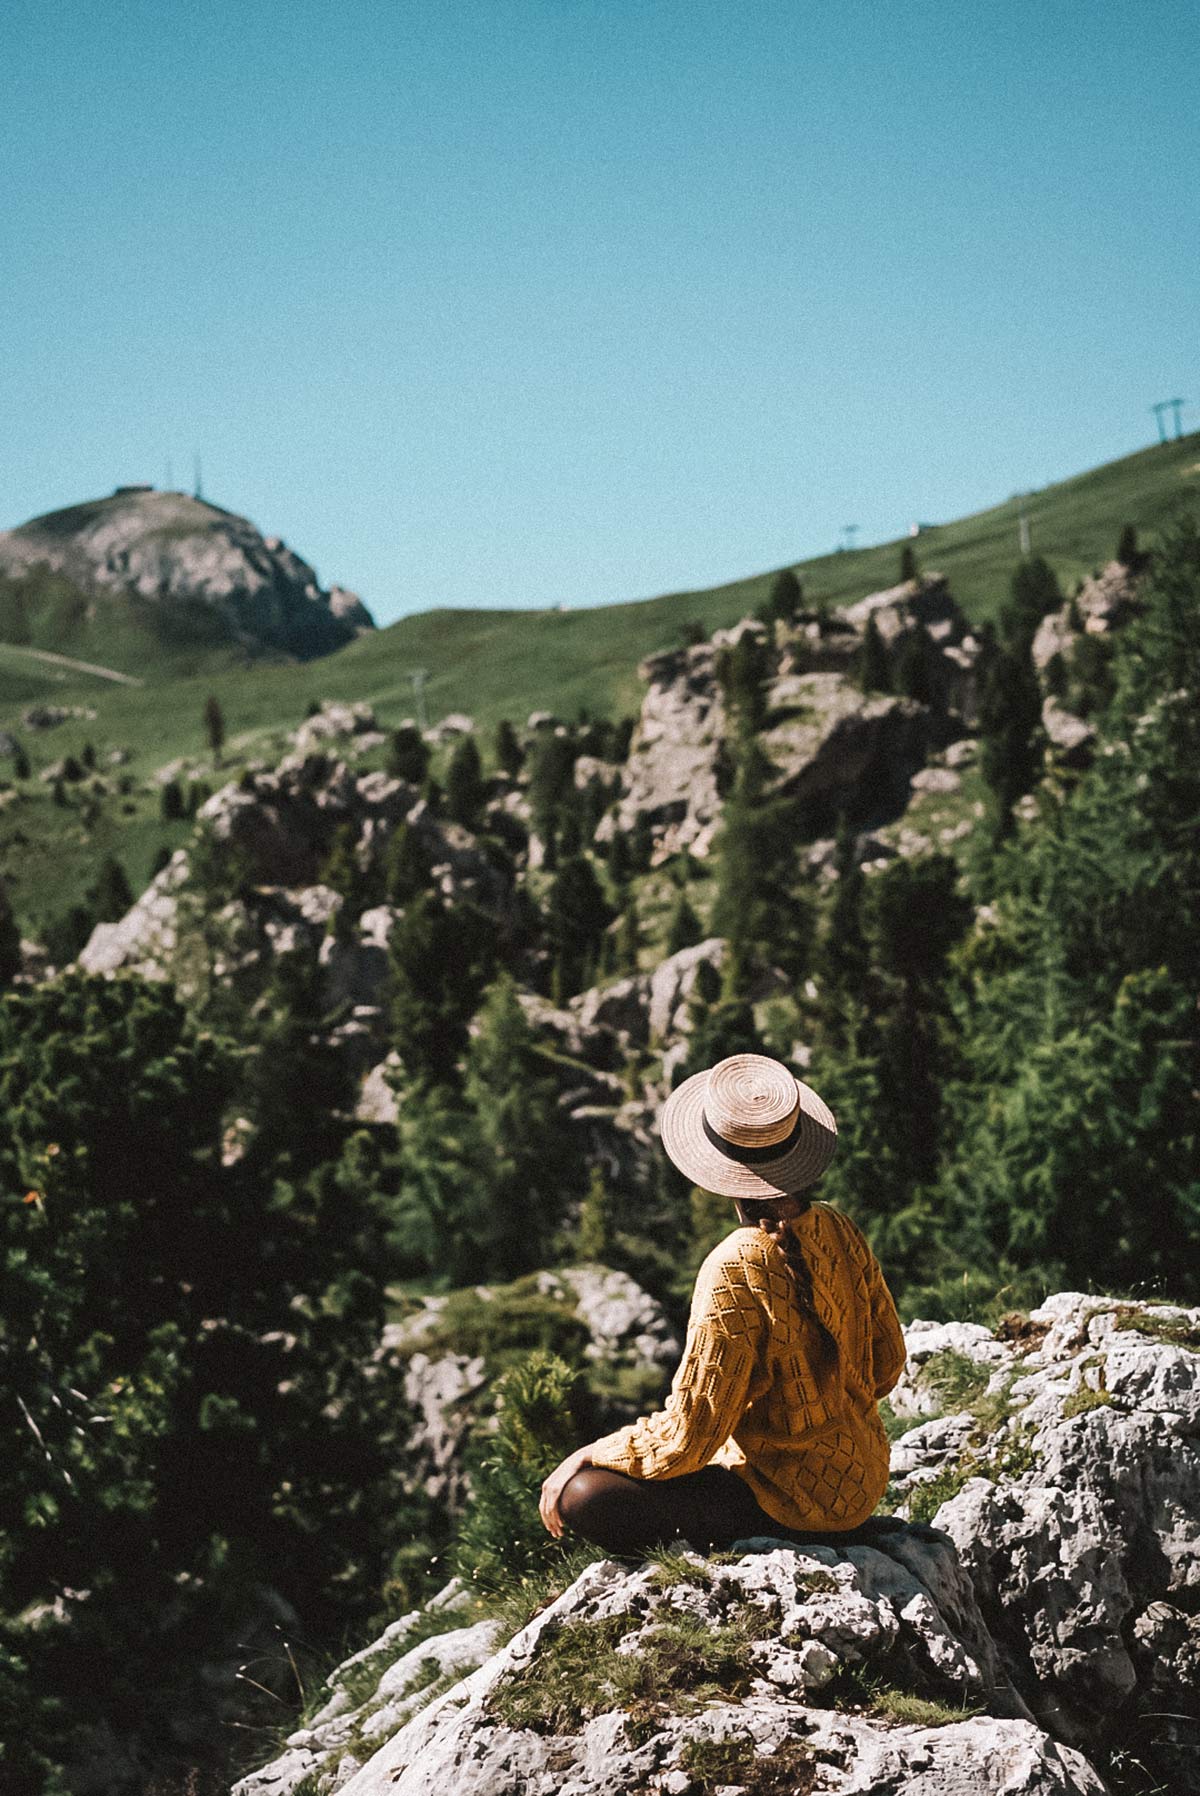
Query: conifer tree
[[406, 867], [784, 598], [596, 1220], [510, 756], [908, 563], [742, 671], [684, 929], [520, 1158], [577, 915], [170, 802], [440, 958], [21, 765], [111, 895], [214, 727], [465, 787], [10, 940], [872, 667], [408, 755]]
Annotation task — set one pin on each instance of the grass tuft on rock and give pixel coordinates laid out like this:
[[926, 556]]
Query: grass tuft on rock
[[790, 1770], [578, 1672]]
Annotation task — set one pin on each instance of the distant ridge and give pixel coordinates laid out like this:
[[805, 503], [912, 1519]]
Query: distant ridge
[[143, 574]]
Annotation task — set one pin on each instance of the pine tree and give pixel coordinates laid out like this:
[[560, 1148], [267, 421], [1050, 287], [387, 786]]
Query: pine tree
[[762, 907], [596, 1220], [915, 660], [510, 756], [577, 916], [551, 778], [521, 1156], [214, 727], [406, 866], [908, 563], [1033, 593], [1010, 713], [10, 940], [742, 672], [785, 598], [408, 755], [465, 787], [844, 957], [111, 895], [684, 930], [872, 668], [170, 802], [441, 958], [21, 765]]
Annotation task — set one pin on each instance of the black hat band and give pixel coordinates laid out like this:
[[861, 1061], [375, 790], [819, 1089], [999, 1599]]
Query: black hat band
[[754, 1156]]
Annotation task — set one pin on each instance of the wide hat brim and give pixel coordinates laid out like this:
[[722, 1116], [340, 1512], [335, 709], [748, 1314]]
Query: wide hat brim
[[682, 1130]]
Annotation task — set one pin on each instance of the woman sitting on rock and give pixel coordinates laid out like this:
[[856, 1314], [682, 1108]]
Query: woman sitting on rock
[[772, 1425]]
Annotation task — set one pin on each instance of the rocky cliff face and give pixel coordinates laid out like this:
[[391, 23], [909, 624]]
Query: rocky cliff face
[[832, 749], [202, 570], [1045, 1623]]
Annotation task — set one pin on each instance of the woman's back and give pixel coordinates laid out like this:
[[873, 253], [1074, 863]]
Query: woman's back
[[783, 1394]]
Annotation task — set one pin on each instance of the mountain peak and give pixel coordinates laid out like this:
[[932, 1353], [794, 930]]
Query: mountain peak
[[170, 552]]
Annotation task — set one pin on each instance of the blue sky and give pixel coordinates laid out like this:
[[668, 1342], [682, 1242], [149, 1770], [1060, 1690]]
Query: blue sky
[[571, 301]]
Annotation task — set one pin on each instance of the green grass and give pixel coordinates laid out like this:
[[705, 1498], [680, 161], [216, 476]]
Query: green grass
[[788, 1771], [491, 664], [577, 1673]]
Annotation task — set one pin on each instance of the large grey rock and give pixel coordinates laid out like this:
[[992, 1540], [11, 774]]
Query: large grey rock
[[170, 550], [671, 772], [1078, 1514], [809, 1619]]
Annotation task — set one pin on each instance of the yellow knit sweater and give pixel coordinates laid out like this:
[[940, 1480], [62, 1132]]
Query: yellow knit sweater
[[755, 1392]]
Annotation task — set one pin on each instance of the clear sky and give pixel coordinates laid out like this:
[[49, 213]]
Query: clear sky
[[521, 302]]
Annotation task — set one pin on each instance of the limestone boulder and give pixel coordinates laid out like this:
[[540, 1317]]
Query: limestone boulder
[[1068, 1455], [796, 1639]]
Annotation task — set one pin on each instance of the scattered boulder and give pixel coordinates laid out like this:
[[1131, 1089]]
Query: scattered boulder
[[335, 721], [1070, 740], [48, 717]]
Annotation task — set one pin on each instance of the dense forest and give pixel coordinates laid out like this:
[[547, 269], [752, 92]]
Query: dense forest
[[202, 1452]]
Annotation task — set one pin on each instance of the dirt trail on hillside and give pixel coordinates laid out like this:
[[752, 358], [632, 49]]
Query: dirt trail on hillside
[[88, 667]]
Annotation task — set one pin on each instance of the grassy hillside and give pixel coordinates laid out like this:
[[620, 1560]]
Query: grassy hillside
[[495, 663]]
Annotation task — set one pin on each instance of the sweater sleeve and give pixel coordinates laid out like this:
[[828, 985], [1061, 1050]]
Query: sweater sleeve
[[710, 1388], [888, 1351]]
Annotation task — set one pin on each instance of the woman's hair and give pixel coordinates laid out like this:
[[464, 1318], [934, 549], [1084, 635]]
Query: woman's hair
[[793, 1252]]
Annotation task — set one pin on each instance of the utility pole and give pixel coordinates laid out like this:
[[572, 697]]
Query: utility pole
[[198, 491], [1177, 406], [1158, 411], [419, 676]]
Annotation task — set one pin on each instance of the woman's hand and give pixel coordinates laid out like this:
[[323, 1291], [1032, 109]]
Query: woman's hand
[[552, 1489]]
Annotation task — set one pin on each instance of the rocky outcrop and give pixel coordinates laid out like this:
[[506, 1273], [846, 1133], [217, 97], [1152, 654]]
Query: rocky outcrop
[[863, 1668], [833, 749], [176, 554], [271, 832], [1067, 1464], [1046, 1622], [671, 775], [447, 1382]]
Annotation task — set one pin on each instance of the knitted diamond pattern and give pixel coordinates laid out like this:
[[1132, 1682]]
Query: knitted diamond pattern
[[760, 1390]]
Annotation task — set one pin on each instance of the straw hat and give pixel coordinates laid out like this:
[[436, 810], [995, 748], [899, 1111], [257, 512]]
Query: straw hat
[[748, 1128]]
